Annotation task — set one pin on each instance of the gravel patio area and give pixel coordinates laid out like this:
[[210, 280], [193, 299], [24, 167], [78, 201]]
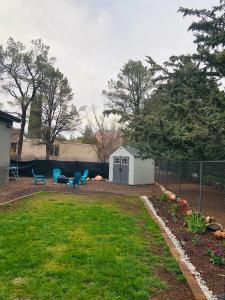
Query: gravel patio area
[[25, 186]]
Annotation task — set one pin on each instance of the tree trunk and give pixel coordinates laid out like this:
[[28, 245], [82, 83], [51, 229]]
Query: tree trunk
[[22, 129], [48, 150]]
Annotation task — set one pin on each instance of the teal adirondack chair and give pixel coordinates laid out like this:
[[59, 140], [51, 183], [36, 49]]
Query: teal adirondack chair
[[76, 180], [55, 174], [84, 177], [38, 178]]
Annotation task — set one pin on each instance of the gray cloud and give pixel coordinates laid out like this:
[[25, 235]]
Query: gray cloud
[[92, 39]]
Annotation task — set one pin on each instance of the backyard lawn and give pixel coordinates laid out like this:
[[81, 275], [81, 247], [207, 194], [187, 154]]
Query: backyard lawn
[[62, 246]]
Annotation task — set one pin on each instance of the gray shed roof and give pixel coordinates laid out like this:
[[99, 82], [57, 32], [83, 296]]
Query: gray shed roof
[[133, 151], [7, 117]]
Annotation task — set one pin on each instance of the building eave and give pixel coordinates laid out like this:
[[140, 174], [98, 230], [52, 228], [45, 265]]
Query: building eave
[[8, 117]]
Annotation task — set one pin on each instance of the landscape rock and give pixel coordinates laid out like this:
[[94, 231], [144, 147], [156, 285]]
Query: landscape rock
[[189, 212], [214, 226], [219, 234], [170, 195], [182, 202], [209, 219], [98, 178]]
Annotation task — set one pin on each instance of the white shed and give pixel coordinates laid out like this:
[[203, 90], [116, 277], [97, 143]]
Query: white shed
[[126, 166]]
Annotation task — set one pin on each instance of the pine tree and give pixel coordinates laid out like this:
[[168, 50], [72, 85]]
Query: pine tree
[[34, 127]]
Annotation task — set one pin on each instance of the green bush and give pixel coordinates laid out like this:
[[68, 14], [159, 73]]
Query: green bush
[[196, 222], [175, 208], [163, 197], [209, 179]]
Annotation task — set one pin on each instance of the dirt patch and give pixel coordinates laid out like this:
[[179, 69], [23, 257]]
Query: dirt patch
[[25, 186], [19, 280]]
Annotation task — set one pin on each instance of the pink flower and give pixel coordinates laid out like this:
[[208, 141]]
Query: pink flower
[[210, 245], [218, 252]]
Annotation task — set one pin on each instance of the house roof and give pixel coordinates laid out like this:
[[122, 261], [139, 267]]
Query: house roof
[[7, 117], [133, 151]]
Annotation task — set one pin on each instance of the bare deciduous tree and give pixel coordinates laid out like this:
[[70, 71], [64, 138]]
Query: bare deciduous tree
[[58, 112], [108, 135], [22, 74]]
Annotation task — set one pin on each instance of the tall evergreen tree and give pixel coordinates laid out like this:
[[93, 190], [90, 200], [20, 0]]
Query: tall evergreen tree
[[185, 118], [34, 127], [126, 95], [209, 32]]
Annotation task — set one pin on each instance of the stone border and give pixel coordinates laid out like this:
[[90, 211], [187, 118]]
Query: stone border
[[197, 285]]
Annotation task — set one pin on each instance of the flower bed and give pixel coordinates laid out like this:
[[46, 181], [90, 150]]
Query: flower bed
[[205, 249]]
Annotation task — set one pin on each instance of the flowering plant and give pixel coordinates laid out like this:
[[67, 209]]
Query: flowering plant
[[216, 256]]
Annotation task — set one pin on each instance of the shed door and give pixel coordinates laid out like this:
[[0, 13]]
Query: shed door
[[116, 168], [124, 169], [120, 169]]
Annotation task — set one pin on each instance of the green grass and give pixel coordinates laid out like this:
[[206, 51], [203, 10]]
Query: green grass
[[55, 246]]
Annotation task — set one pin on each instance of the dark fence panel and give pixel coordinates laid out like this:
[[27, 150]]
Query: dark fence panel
[[68, 168]]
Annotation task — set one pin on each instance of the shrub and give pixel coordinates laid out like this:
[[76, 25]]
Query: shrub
[[163, 197], [196, 222], [175, 208], [208, 179]]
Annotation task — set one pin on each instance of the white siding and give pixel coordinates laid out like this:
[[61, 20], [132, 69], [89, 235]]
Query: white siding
[[140, 171], [5, 137], [143, 171]]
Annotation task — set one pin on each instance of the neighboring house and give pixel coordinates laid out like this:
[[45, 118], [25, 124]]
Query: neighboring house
[[61, 150], [6, 121]]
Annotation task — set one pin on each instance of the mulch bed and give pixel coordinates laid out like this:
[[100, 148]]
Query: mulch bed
[[213, 275]]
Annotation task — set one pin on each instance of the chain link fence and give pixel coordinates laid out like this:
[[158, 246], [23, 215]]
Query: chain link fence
[[202, 183]]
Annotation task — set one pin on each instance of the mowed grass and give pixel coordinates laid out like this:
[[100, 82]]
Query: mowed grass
[[58, 246]]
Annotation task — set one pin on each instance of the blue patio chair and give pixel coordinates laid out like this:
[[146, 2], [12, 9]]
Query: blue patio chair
[[77, 173], [84, 177], [38, 178], [76, 180], [55, 174]]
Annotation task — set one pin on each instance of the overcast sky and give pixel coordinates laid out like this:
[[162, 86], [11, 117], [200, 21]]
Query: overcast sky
[[92, 39]]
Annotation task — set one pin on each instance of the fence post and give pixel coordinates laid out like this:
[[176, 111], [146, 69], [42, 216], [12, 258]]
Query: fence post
[[200, 187], [159, 172], [167, 175], [179, 178]]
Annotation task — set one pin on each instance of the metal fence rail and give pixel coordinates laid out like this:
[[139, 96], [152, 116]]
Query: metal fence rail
[[202, 183]]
